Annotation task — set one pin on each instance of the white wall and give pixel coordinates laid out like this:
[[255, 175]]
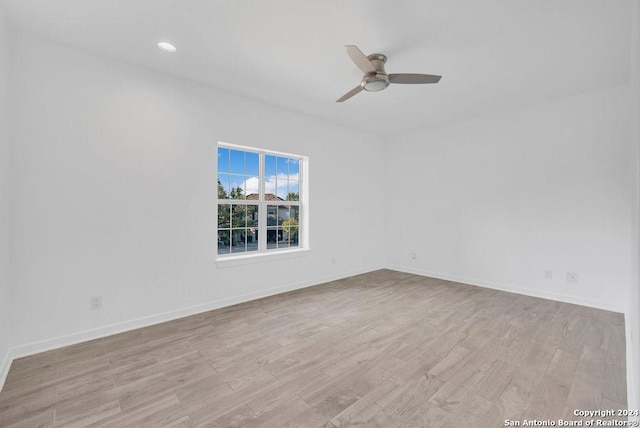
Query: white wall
[[5, 212], [498, 200], [115, 194]]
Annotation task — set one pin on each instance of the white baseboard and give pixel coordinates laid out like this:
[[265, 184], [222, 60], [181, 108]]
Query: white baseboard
[[633, 397], [513, 289], [4, 368], [108, 330]]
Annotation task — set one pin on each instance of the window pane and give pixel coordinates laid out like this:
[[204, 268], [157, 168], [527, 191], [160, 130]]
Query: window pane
[[294, 191], [223, 186], [252, 239], [283, 213], [282, 167], [272, 215], [252, 163], [294, 213], [283, 238], [224, 216], [238, 240], [223, 159], [272, 238], [238, 216], [269, 165], [252, 216], [237, 162], [294, 169], [270, 188], [290, 224], [237, 187], [223, 242], [282, 188], [270, 174], [252, 190]]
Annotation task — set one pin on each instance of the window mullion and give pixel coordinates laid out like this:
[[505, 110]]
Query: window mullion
[[262, 208]]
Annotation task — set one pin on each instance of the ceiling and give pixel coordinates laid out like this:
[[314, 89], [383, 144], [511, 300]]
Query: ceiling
[[494, 55]]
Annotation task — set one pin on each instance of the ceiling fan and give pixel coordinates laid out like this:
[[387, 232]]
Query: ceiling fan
[[375, 78]]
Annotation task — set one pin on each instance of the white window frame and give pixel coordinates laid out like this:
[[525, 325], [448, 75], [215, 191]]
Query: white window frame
[[264, 253]]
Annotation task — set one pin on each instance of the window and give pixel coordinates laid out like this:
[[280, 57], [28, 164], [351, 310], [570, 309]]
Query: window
[[259, 201]]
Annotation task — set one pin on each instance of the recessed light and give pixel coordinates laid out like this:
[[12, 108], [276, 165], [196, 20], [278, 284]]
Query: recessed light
[[167, 47]]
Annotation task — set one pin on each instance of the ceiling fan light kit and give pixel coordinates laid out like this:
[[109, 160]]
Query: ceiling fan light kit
[[375, 77], [376, 80]]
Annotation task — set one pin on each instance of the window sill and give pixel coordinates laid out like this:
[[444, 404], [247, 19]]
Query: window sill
[[225, 262]]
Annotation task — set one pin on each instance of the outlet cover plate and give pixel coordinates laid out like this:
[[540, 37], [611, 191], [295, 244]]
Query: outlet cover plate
[[96, 302]]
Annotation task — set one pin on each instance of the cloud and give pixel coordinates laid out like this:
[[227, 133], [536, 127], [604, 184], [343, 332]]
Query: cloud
[[251, 185], [273, 184]]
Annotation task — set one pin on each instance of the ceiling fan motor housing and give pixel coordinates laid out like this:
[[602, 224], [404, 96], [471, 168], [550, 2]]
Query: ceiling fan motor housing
[[378, 80]]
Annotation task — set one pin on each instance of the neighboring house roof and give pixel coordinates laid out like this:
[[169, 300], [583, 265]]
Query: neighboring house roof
[[267, 197]]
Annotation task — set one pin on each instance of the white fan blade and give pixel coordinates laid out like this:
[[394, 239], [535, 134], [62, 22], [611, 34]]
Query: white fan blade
[[349, 94], [408, 78], [360, 59]]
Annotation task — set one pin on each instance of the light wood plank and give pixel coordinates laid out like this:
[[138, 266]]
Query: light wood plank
[[380, 349]]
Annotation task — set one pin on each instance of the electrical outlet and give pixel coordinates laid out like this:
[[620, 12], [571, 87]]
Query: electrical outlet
[[548, 275], [572, 277], [96, 302], [413, 256], [333, 260]]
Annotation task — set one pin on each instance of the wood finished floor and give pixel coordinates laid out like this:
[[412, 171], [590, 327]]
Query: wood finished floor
[[381, 349]]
